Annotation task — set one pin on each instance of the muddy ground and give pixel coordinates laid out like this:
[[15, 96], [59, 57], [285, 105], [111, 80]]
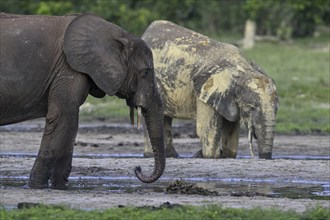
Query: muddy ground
[[105, 156]]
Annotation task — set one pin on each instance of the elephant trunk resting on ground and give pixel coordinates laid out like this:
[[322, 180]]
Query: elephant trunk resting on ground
[[211, 82], [49, 64]]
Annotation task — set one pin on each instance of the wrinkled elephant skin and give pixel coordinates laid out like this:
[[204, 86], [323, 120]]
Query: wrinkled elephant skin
[[213, 83], [49, 65]]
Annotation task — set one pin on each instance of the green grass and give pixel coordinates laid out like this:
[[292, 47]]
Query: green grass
[[107, 108], [300, 70], [182, 213]]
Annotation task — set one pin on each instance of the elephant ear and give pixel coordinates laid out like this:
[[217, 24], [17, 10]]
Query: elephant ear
[[215, 88], [97, 48]]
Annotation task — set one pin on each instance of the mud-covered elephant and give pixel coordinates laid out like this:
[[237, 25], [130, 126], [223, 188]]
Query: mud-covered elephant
[[49, 64], [215, 84]]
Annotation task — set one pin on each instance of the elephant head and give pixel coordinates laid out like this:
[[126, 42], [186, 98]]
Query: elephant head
[[258, 104], [119, 64], [242, 93]]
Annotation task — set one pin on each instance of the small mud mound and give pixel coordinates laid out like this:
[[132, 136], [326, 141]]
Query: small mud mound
[[182, 187]]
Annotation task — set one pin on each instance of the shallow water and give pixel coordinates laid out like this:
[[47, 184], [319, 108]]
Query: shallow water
[[299, 189]]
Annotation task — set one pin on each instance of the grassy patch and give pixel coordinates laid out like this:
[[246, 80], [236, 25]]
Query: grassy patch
[[105, 109], [177, 212], [300, 70]]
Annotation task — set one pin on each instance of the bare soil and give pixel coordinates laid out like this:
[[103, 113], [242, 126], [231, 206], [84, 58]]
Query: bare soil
[[105, 156]]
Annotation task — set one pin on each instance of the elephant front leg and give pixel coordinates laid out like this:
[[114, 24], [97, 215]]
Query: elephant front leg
[[55, 155], [208, 124], [40, 172], [230, 136], [61, 172]]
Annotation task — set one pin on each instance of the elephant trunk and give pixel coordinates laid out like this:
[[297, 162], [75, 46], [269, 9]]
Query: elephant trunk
[[265, 135], [154, 118]]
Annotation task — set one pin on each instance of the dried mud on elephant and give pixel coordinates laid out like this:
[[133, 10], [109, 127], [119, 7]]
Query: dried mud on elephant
[[105, 157]]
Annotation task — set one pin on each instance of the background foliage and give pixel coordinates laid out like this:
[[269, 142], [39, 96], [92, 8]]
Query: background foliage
[[284, 18]]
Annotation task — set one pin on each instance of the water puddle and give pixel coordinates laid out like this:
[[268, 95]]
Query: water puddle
[[299, 189]]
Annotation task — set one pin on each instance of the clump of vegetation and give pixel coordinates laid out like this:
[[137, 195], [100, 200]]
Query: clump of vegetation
[[182, 187]]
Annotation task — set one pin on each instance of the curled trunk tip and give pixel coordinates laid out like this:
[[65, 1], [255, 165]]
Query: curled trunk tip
[[154, 120], [147, 179]]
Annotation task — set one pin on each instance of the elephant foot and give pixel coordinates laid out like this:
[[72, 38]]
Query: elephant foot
[[59, 182], [59, 186], [148, 154], [265, 156], [40, 174], [32, 184], [198, 154], [171, 153], [38, 181], [227, 154], [168, 154]]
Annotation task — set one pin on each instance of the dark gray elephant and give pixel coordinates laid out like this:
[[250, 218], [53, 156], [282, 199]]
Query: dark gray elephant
[[49, 64], [211, 82]]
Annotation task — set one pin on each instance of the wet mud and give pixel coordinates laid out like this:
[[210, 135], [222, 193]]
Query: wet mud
[[105, 155]]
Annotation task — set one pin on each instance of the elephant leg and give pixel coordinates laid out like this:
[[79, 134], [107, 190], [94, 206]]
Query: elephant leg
[[147, 145], [168, 139], [170, 150], [208, 124], [229, 136], [54, 159]]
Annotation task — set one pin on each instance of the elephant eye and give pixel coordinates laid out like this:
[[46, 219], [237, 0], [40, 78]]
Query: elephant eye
[[144, 74]]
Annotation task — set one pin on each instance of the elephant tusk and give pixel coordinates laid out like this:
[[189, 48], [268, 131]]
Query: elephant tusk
[[138, 117], [250, 142], [131, 115]]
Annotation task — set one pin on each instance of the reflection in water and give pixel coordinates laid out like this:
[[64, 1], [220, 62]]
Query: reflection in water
[[297, 189]]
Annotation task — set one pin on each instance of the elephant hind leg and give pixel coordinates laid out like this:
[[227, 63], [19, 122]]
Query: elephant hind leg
[[208, 124], [54, 158], [170, 150], [168, 139], [147, 145], [230, 136]]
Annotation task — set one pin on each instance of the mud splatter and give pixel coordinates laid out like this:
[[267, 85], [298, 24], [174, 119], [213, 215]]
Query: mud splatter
[[182, 187]]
